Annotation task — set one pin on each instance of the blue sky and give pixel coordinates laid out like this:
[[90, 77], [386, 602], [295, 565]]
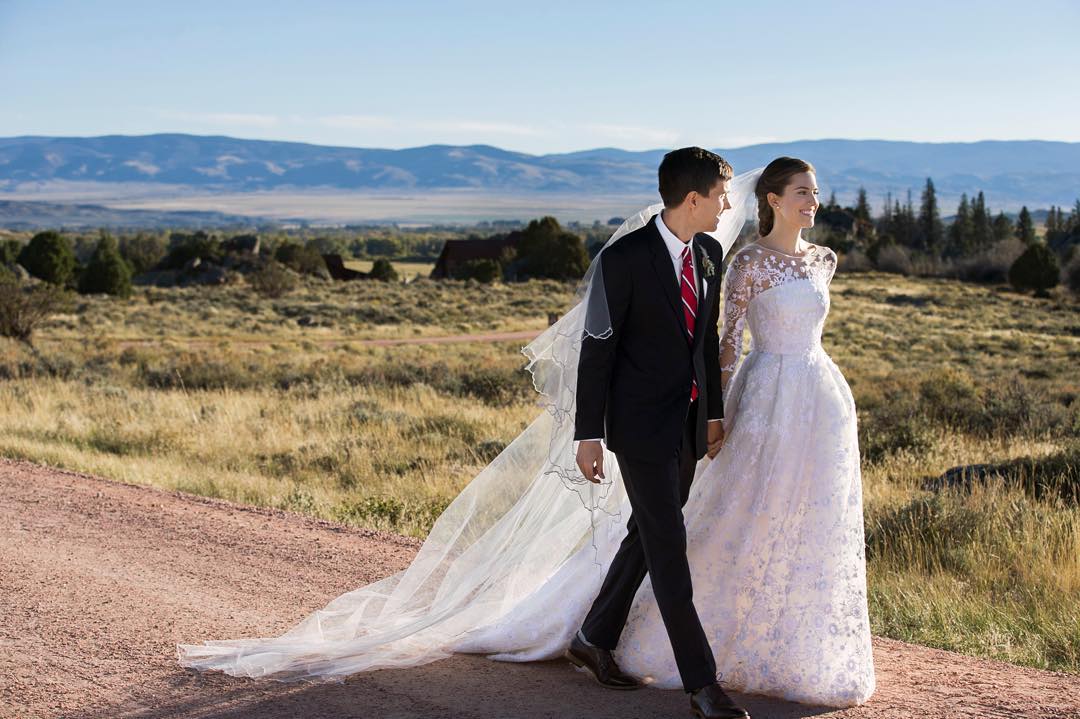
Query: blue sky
[[542, 77]]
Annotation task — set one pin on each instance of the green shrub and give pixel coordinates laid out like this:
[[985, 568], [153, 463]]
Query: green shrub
[[107, 272], [1037, 269], [184, 248], [49, 256], [303, 259], [382, 270], [9, 251], [24, 307], [272, 280], [143, 252], [484, 270]]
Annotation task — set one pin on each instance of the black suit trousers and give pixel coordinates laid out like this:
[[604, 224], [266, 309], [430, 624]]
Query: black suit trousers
[[656, 542]]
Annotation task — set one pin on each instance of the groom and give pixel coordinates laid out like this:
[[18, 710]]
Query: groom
[[652, 391]]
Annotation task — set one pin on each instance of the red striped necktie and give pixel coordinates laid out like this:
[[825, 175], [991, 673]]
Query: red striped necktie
[[689, 300]]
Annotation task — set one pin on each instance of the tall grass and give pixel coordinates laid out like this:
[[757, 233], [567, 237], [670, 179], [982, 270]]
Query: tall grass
[[220, 393]]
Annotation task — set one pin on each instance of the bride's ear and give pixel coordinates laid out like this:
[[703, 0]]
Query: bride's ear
[[773, 199]]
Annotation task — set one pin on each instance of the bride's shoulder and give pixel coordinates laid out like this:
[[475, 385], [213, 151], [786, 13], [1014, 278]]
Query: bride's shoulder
[[827, 254], [747, 255]]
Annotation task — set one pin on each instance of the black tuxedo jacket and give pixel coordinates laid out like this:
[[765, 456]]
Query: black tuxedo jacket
[[633, 388]]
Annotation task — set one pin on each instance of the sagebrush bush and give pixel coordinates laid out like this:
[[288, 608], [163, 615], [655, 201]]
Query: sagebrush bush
[[383, 270], [895, 259], [1072, 275], [272, 280], [990, 265]]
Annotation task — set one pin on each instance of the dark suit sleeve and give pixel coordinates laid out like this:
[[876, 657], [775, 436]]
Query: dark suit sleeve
[[712, 351], [598, 355]]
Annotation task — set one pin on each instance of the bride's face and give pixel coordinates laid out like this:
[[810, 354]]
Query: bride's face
[[708, 208], [799, 203]]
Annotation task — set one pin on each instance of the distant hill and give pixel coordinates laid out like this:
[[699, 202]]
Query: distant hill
[[1011, 173], [17, 215]]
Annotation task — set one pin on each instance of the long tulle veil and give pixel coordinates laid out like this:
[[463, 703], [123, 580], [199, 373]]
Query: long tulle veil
[[510, 529]]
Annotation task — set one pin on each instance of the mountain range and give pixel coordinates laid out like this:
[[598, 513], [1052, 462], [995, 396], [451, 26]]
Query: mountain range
[[1011, 173]]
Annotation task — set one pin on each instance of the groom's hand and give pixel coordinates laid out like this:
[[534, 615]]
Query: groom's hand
[[590, 460], [716, 438]]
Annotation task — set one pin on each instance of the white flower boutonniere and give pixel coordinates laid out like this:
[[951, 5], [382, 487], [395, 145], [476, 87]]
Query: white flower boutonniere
[[708, 266]]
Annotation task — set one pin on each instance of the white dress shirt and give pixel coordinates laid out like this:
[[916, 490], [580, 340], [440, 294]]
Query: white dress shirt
[[675, 248]]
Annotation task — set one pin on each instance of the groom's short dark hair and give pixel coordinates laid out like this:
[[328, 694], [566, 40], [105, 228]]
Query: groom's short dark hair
[[690, 169]]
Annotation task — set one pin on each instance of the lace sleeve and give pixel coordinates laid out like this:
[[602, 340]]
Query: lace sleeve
[[736, 291], [830, 264]]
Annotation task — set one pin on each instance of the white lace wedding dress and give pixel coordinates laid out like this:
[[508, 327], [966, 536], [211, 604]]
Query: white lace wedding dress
[[774, 523], [774, 530]]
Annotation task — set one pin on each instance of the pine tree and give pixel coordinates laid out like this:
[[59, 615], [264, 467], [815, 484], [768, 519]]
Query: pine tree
[[1003, 228], [107, 272], [1025, 228], [862, 206], [982, 232], [961, 231], [931, 231], [1051, 220]]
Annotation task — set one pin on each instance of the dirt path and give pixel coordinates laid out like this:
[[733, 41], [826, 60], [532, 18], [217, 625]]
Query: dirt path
[[99, 581]]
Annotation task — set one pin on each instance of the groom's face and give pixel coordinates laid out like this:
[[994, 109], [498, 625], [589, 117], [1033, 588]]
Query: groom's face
[[709, 207]]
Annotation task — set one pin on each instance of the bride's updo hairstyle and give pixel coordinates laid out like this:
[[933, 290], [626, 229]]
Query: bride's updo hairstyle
[[690, 169], [775, 179]]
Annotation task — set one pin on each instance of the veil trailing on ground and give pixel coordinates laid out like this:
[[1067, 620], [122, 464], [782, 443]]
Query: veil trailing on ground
[[511, 528]]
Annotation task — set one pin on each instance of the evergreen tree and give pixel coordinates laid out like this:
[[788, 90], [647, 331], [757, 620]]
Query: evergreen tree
[[106, 272], [1051, 220], [862, 206], [1003, 228], [907, 232], [49, 256], [1037, 269], [1025, 228], [546, 250], [982, 232], [961, 231], [931, 231]]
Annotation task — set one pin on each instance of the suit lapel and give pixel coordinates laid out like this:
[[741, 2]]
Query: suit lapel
[[665, 274], [704, 303]]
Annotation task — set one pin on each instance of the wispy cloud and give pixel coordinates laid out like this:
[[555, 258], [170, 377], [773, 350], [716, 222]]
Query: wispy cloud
[[354, 122], [230, 119]]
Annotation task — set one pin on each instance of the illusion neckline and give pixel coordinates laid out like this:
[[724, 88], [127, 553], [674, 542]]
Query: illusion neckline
[[798, 257]]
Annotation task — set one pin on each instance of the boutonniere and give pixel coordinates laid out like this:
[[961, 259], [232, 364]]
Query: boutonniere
[[708, 266]]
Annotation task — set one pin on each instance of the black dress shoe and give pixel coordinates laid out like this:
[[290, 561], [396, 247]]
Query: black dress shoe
[[600, 664], [711, 702]]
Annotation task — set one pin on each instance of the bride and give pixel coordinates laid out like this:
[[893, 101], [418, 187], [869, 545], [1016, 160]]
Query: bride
[[774, 522]]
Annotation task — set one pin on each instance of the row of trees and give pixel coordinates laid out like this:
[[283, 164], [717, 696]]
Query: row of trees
[[977, 244], [111, 265]]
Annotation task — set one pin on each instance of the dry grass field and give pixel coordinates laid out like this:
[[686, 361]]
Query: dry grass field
[[274, 402]]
